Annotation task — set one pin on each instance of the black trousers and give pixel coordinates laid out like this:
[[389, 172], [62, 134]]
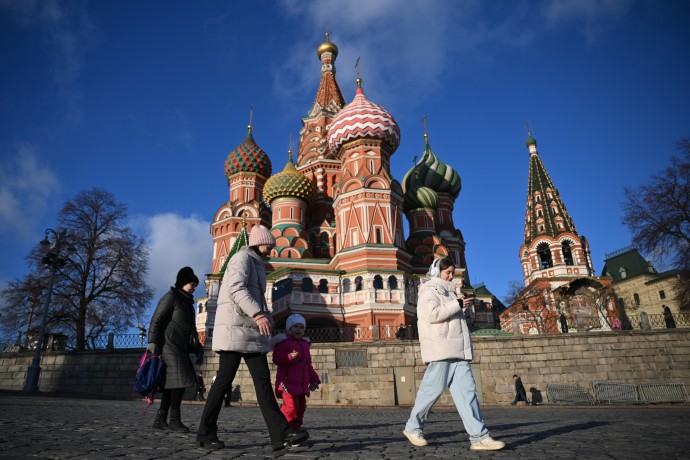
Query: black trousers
[[257, 364]]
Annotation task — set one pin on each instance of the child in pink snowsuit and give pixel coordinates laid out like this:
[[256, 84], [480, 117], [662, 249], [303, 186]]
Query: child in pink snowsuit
[[296, 377]]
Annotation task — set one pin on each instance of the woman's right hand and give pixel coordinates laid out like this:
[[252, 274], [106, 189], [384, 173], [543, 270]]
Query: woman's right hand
[[263, 323]]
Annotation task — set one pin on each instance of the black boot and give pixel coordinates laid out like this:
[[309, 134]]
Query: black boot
[[159, 423], [175, 422]]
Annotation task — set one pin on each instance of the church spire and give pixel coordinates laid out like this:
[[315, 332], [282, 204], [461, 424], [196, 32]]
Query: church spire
[[552, 246]]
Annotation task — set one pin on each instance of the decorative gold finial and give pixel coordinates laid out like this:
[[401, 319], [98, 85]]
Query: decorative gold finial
[[359, 79], [251, 114], [290, 149], [527, 127], [426, 135]]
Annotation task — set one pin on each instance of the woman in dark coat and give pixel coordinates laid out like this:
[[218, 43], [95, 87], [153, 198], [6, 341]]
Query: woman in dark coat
[[173, 335]]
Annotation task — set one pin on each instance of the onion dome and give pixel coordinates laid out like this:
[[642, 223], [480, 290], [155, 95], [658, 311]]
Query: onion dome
[[327, 46], [289, 182], [530, 140], [420, 197], [432, 173], [248, 157], [362, 119]]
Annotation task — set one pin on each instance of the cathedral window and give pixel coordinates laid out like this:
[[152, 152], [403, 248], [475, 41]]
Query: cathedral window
[[358, 283], [541, 228], [378, 282], [371, 165], [545, 258], [393, 282], [292, 212], [307, 285], [662, 295], [346, 285], [636, 299], [567, 253], [323, 286], [539, 213], [378, 236]]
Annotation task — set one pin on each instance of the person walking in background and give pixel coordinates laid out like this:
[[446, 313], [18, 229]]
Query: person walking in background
[[401, 332], [173, 335], [296, 376], [242, 330], [446, 347], [564, 323], [520, 392], [668, 318]]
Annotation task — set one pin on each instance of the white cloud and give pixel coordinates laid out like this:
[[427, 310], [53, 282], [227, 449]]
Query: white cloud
[[596, 16], [26, 185], [174, 242]]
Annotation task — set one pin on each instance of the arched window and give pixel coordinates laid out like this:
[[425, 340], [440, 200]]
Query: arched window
[[392, 282], [567, 253], [323, 286], [307, 285], [544, 253], [346, 285], [358, 283], [636, 299], [378, 236], [378, 282], [201, 308], [324, 240]]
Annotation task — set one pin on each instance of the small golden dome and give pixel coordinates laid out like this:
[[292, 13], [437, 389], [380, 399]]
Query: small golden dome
[[327, 46]]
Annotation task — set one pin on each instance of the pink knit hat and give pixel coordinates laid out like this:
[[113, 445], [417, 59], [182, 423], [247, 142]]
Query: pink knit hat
[[261, 235]]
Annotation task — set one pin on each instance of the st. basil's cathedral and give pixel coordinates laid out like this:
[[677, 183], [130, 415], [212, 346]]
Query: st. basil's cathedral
[[341, 258]]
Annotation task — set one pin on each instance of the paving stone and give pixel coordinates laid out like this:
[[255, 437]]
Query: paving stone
[[58, 427]]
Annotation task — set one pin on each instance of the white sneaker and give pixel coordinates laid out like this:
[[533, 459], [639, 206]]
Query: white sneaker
[[416, 439], [488, 444]]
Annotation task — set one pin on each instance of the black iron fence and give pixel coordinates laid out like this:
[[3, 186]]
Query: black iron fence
[[359, 334]]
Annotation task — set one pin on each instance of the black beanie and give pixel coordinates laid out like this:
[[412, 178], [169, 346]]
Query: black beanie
[[184, 276]]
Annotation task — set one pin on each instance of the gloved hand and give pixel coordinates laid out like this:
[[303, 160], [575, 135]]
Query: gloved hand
[[153, 349], [313, 386]]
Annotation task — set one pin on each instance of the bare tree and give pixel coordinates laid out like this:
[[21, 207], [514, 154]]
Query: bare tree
[[515, 287], [101, 286], [658, 215]]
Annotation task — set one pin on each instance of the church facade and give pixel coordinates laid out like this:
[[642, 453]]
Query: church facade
[[343, 259]]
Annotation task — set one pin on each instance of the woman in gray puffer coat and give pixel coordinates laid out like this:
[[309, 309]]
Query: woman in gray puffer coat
[[173, 334]]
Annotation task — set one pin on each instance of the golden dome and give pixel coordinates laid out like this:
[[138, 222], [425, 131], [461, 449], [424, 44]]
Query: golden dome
[[327, 46]]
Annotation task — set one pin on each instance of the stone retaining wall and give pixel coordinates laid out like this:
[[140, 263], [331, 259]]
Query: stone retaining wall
[[628, 356]]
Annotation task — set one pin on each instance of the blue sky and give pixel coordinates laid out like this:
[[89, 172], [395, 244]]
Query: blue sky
[[147, 98]]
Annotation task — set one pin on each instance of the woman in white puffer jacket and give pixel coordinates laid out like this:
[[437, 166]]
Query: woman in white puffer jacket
[[447, 350]]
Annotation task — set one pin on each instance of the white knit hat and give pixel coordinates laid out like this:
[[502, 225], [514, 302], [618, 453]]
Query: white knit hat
[[261, 235], [295, 319]]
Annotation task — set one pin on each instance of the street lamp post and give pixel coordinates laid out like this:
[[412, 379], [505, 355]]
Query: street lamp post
[[52, 260]]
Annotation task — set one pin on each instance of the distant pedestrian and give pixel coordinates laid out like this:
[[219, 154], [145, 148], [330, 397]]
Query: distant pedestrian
[[446, 347], [296, 377], [401, 332], [520, 392], [242, 330], [564, 323], [172, 334], [668, 318]]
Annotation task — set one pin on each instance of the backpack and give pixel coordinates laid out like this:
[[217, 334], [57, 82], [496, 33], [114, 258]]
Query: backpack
[[151, 371]]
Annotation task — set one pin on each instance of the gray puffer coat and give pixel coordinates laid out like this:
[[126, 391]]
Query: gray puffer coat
[[241, 297], [173, 331]]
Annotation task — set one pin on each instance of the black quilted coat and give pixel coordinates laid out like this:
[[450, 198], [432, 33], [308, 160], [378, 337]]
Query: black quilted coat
[[173, 330]]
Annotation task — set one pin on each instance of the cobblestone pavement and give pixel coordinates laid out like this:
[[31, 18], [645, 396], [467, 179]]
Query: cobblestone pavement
[[48, 427]]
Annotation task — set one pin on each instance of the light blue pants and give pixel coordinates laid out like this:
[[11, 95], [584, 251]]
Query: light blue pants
[[457, 377]]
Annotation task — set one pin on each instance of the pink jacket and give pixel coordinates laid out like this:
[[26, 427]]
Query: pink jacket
[[294, 375]]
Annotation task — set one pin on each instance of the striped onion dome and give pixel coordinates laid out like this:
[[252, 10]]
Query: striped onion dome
[[420, 197], [289, 182], [362, 119], [248, 157], [433, 173]]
